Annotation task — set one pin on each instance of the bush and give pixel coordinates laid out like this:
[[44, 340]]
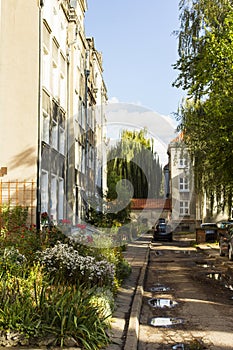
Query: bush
[[52, 287], [65, 263], [31, 305]]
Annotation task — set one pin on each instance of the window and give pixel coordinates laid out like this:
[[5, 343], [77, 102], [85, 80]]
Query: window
[[184, 208], [183, 162], [184, 184], [46, 56], [53, 204], [62, 82], [78, 149], [54, 135], [60, 199], [46, 35], [83, 161], [46, 68], [45, 131], [62, 91], [44, 191], [61, 140], [55, 82]]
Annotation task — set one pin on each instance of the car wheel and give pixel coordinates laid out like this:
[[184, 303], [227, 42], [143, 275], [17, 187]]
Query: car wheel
[[230, 252]]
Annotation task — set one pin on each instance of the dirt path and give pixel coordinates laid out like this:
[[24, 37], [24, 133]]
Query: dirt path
[[205, 306]]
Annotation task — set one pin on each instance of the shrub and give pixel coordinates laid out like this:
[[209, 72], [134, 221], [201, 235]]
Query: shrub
[[32, 305], [103, 300], [12, 219], [64, 262]]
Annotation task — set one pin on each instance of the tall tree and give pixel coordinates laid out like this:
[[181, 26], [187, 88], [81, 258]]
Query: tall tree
[[206, 73], [134, 159]]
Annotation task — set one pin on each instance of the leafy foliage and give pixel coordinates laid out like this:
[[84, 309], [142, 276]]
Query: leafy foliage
[[133, 158], [66, 294], [206, 73]]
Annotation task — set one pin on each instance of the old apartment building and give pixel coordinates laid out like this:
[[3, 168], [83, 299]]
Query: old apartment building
[[189, 208], [52, 98], [185, 214]]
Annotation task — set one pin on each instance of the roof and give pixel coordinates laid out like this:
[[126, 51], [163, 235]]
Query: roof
[[179, 137], [150, 203]]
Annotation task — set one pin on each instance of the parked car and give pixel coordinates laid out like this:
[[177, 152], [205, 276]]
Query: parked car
[[211, 231], [223, 225], [163, 232], [226, 243]]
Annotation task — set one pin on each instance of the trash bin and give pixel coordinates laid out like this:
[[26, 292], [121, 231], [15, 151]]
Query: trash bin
[[200, 235]]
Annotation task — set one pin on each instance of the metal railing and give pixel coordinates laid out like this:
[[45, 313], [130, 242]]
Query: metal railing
[[19, 193]]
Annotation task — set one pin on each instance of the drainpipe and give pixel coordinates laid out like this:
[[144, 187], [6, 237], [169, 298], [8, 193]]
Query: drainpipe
[[38, 184], [67, 132], [87, 73]]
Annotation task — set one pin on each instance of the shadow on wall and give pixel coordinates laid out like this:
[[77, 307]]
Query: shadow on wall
[[24, 159]]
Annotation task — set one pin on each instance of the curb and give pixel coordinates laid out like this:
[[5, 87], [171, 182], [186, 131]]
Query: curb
[[131, 342]]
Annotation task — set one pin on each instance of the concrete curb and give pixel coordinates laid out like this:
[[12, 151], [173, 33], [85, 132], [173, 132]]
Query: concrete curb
[[131, 342]]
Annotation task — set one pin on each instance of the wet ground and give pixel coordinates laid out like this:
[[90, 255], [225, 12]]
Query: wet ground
[[188, 299]]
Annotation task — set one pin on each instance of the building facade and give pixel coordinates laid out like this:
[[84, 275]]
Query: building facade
[[52, 96], [185, 215]]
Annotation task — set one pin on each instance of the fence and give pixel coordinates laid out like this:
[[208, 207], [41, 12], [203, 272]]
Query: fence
[[13, 193]]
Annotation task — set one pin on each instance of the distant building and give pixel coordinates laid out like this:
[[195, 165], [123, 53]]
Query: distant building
[[150, 209], [189, 209], [52, 98], [181, 187]]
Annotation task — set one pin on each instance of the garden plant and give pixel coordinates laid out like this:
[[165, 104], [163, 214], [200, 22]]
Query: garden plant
[[55, 291]]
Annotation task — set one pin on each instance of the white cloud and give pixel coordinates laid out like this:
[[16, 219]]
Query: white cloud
[[113, 100], [161, 128]]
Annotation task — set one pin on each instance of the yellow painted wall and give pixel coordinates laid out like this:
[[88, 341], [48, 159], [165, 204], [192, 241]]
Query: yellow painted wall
[[19, 82]]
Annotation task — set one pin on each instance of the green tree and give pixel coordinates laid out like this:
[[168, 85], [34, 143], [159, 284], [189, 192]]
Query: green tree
[[206, 73], [133, 158]]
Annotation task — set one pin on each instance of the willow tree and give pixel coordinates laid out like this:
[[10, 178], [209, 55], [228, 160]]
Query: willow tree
[[134, 159], [205, 68]]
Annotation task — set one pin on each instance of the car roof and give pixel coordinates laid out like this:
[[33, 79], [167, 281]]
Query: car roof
[[209, 224]]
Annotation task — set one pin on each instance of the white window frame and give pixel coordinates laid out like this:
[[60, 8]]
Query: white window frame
[[62, 92], [44, 191], [54, 135], [184, 208], [61, 140], [53, 198], [184, 184], [183, 163], [55, 80], [46, 68], [60, 198], [45, 130]]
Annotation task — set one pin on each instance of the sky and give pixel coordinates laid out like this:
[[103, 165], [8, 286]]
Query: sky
[[139, 49]]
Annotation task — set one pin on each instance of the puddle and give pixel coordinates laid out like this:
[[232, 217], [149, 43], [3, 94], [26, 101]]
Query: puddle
[[179, 347], [159, 288], [165, 321], [205, 265], [194, 345], [162, 303], [218, 276], [228, 286], [185, 252], [215, 276], [158, 252]]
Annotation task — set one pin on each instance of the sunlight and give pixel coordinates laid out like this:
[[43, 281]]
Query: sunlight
[[200, 301]]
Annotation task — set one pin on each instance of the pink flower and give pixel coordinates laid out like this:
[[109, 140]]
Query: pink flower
[[66, 221]]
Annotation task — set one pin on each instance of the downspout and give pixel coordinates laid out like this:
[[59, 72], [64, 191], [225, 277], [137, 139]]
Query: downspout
[[38, 184], [87, 73], [67, 132]]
